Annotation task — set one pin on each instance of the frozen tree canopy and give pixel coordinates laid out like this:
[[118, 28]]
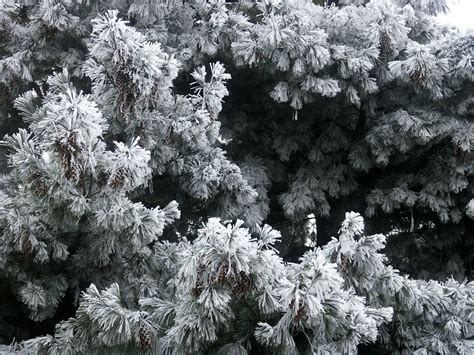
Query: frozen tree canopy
[[235, 177]]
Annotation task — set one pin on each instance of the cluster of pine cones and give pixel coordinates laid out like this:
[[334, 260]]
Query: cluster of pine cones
[[240, 283]]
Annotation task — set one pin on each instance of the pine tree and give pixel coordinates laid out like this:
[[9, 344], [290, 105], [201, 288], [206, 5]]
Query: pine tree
[[234, 116], [230, 292], [373, 112], [66, 216]]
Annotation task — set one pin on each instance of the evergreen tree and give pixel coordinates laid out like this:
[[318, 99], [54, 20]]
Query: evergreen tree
[[381, 101], [228, 292], [266, 112]]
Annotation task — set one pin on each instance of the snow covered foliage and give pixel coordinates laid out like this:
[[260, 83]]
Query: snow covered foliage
[[428, 316], [246, 115], [229, 292], [132, 77], [371, 104], [65, 206]]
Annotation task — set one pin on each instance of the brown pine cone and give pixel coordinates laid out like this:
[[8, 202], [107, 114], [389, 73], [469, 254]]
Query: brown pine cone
[[67, 151], [418, 77], [242, 284], [221, 276], [4, 93], [102, 179], [48, 32], [385, 46], [125, 88], [199, 286], [300, 314], [345, 263], [145, 337], [38, 184], [118, 179], [27, 247]]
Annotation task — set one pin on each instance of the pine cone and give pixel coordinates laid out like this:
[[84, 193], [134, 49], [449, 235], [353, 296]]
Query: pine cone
[[385, 45], [145, 337], [418, 77], [221, 276], [140, 132], [300, 314], [48, 32], [4, 93], [462, 155], [102, 179], [196, 291], [40, 188], [345, 263], [27, 247], [118, 179], [242, 284], [125, 88], [199, 286], [169, 139], [38, 184], [67, 151]]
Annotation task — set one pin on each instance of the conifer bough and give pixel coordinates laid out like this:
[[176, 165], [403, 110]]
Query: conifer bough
[[239, 119]]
